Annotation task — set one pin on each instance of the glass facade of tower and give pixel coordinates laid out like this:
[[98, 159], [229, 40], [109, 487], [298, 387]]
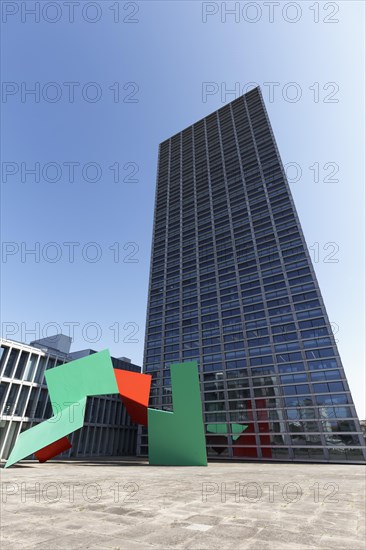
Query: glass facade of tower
[[232, 286], [25, 402]]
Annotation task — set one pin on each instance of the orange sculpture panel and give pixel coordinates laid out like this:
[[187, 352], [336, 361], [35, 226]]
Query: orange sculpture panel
[[134, 389]]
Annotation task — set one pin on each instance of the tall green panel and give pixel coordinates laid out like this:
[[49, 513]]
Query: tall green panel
[[178, 438]]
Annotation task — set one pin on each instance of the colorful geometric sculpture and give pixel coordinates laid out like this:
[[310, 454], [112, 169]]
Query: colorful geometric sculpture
[[134, 389], [178, 438], [174, 438]]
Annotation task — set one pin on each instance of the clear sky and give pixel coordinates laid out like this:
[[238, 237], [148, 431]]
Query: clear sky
[[110, 81]]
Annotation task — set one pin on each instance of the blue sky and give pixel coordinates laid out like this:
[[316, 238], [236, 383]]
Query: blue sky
[[134, 85]]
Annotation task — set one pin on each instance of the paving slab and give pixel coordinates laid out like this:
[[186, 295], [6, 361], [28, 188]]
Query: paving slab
[[124, 504]]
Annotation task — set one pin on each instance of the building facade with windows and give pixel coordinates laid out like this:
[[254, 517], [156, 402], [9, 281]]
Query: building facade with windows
[[24, 400], [232, 286]]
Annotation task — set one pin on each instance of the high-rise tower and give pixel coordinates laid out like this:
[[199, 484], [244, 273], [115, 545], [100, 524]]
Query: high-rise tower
[[232, 286]]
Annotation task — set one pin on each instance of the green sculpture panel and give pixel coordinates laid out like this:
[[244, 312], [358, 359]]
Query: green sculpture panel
[[178, 438]]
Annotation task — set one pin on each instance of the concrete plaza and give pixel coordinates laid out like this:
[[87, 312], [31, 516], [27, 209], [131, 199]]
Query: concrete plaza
[[128, 505]]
